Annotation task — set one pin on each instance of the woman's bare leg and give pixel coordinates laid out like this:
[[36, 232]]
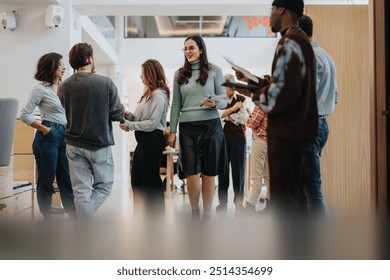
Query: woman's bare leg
[[193, 186], [208, 189]]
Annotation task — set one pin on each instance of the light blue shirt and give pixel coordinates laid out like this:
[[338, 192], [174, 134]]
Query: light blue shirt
[[151, 114], [327, 93], [45, 98]]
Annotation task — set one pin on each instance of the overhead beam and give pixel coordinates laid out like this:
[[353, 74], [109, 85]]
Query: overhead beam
[[171, 10]]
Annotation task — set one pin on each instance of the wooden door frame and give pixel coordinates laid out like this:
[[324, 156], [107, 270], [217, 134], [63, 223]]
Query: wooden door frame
[[378, 101]]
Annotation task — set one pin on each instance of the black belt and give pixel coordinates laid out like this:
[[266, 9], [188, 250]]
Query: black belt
[[51, 124], [322, 117]]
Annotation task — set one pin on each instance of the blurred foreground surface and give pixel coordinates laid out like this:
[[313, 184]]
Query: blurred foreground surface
[[149, 239]]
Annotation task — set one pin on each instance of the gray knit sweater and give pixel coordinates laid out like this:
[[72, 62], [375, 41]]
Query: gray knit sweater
[[91, 104]]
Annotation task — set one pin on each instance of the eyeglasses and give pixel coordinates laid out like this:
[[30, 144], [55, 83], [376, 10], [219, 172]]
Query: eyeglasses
[[190, 49]]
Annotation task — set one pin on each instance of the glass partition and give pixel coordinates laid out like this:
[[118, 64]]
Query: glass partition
[[206, 26]]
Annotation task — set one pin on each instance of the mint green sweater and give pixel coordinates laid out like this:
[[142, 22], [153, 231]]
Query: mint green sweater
[[188, 97]]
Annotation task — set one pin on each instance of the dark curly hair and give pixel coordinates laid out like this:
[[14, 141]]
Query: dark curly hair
[[47, 66]]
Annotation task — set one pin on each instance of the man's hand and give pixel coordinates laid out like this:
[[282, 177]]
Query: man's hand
[[240, 76], [239, 105]]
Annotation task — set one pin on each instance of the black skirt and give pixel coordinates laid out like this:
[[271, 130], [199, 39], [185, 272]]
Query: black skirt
[[202, 148]]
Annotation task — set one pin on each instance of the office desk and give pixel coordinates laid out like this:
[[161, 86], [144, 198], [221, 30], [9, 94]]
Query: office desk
[[170, 172]]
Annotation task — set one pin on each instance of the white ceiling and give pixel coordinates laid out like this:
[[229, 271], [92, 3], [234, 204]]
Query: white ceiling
[[187, 7], [11, 2]]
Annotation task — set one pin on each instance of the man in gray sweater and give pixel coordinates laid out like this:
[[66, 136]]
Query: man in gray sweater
[[91, 104]]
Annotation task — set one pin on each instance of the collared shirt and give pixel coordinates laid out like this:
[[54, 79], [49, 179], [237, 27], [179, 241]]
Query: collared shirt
[[234, 127], [50, 108], [241, 115], [327, 93], [258, 122]]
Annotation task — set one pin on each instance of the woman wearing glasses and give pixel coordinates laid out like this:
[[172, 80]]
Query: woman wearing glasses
[[148, 121], [197, 94], [49, 142]]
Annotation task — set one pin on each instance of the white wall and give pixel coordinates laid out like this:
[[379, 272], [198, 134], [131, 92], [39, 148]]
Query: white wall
[[20, 49]]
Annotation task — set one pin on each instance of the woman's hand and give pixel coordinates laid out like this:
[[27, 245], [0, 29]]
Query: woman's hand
[[209, 103], [172, 139], [46, 130], [129, 116], [123, 126]]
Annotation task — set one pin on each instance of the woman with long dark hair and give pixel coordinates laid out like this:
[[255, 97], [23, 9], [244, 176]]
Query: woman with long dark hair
[[197, 94], [49, 143]]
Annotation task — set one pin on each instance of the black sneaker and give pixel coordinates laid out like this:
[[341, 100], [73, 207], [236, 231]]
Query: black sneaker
[[221, 207]]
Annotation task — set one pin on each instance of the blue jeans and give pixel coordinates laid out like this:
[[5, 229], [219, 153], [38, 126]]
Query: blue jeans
[[313, 190], [236, 151], [50, 155], [92, 175]]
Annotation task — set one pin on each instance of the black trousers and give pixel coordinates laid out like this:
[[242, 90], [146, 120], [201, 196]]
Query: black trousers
[[145, 171], [287, 176], [236, 153]]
